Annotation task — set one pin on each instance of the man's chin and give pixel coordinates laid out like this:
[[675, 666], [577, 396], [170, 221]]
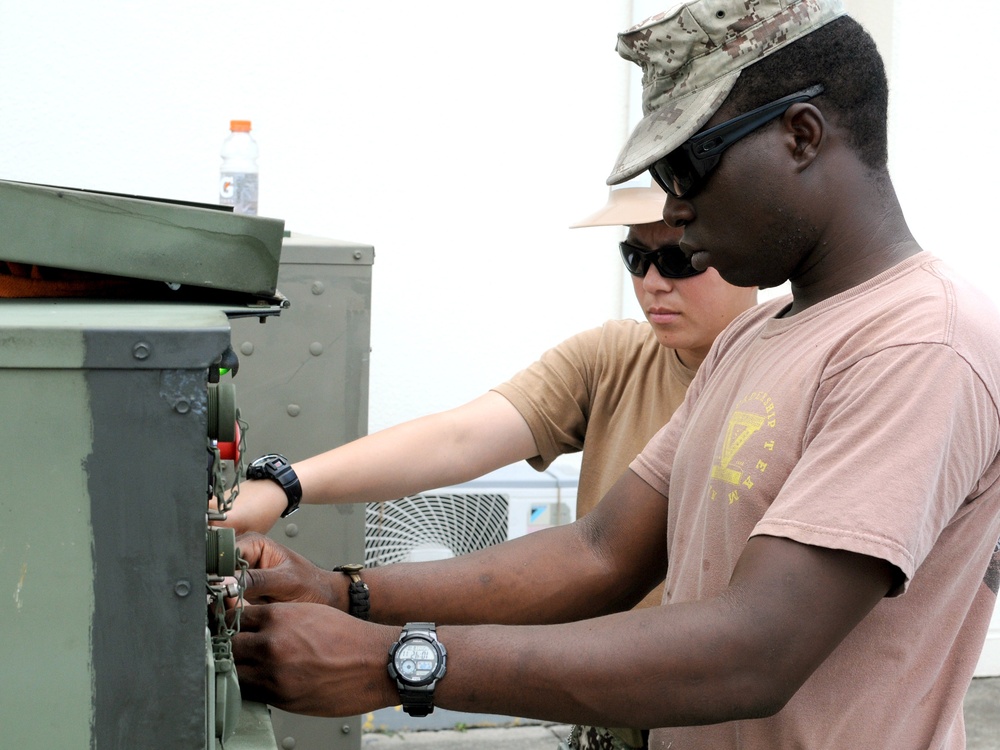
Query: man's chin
[[747, 278]]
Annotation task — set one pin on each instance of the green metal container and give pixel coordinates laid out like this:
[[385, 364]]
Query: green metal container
[[114, 410]]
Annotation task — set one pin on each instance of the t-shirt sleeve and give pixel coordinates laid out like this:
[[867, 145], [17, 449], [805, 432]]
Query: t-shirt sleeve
[[654, 463], [897, 444], [553, 395]]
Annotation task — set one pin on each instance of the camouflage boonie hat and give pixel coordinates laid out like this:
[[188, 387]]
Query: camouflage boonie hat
[[690, 58]]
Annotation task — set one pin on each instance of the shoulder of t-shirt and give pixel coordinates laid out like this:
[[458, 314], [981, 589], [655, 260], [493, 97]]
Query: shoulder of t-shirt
[[921, 301], [623, 333], [751, 320], [970, 300]]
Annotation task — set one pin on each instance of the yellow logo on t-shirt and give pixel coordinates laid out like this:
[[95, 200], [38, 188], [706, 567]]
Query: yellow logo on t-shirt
[[743, 424]]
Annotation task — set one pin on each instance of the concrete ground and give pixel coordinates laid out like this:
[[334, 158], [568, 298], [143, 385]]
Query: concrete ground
[[982, 714], [982, 721]]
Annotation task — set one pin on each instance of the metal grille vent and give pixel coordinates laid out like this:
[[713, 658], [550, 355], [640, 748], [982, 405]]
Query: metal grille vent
[[433, 526]]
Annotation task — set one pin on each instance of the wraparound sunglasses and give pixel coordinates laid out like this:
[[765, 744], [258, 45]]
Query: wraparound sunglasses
[[669, 260], [684, 170]]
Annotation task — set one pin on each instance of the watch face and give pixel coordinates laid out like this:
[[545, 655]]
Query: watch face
[[416, 660]]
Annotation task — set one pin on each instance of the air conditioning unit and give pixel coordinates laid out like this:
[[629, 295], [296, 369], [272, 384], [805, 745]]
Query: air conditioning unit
[[451, 521]]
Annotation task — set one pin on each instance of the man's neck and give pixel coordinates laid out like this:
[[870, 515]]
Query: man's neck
[[870, 237]]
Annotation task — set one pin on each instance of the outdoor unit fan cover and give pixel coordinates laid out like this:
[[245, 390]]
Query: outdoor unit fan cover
[[443, 523]]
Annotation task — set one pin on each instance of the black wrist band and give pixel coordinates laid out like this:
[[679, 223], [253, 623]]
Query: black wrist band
[[357, 591], [278, 469]]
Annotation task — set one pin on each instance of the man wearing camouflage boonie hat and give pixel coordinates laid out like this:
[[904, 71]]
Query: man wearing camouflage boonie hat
[[824, 506], [691, 57]]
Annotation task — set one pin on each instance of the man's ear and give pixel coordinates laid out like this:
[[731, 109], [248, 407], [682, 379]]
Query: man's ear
[[806, 128]]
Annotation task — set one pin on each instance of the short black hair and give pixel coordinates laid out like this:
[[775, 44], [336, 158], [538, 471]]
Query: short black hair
[[843, 57]]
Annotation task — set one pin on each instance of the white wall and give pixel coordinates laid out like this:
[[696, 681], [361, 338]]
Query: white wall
[[460, 139], [945, 126]]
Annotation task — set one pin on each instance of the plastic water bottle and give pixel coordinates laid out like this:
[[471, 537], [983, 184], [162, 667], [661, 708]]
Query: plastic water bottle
[[238, 181]]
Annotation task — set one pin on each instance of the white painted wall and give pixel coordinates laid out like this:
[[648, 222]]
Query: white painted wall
[[460, 139]]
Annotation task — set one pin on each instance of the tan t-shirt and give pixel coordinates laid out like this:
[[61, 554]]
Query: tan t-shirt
[[867, 423], [606, 392]]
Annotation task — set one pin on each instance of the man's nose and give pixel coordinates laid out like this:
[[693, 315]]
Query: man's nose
[[677, 212], [654, 281]]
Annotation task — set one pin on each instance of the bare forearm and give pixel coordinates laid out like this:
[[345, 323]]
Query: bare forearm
[[527, 580], [654, 667], [521, 581], [433, 451], [629, 669], [696, 662], [683, 664]]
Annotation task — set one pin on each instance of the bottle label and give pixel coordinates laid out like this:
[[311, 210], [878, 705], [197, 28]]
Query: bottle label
[[239, 190], [227, 189]]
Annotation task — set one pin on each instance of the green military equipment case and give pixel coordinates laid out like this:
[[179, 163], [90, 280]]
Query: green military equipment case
[[117, 421]]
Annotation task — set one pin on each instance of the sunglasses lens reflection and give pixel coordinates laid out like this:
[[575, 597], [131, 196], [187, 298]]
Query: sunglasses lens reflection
[[675, 173], [635, 262]]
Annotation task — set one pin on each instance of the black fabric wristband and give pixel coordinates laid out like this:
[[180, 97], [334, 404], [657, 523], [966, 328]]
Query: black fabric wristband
[[357, 591], [278, 469]]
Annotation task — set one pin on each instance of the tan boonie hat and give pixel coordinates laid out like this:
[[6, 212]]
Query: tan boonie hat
[[628, 206], [690, 58]]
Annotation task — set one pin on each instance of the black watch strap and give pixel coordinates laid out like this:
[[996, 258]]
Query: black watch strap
[[417, 703], [279, 469], [417, 661], [357, 591]]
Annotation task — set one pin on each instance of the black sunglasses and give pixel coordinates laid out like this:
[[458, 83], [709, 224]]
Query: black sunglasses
[[682, 172], [669, 260]]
